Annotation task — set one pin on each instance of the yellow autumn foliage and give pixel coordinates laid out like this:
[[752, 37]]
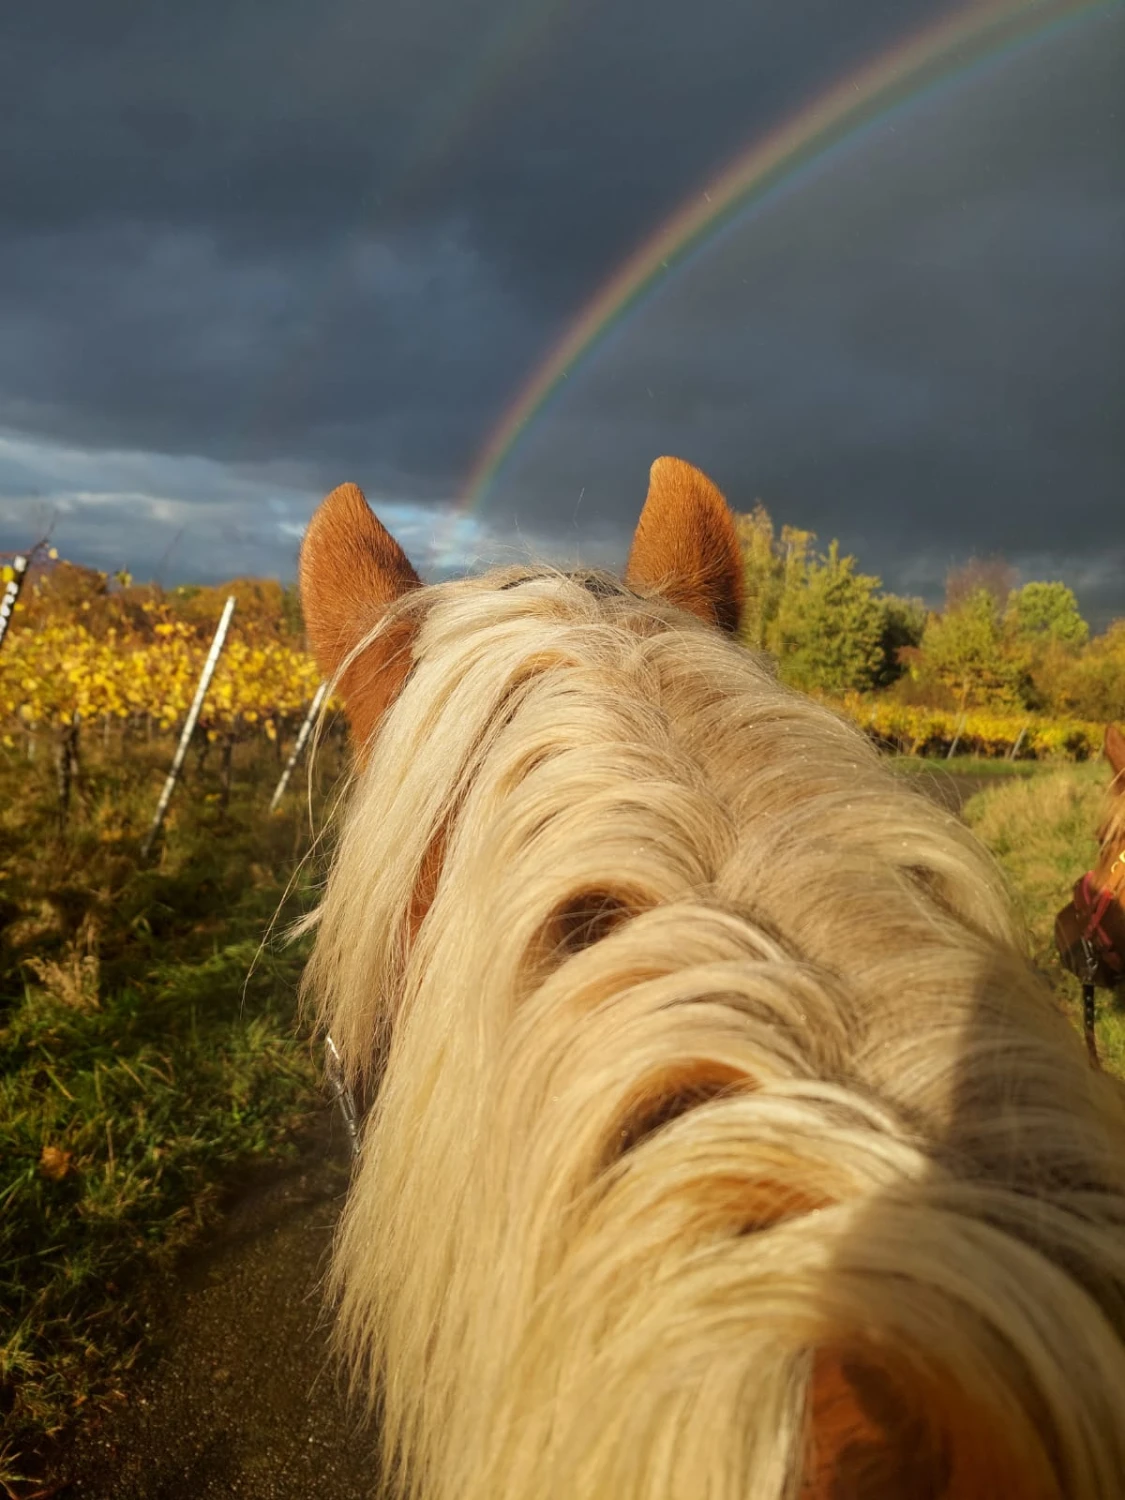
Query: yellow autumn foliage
[[129, 671], [928, 731]]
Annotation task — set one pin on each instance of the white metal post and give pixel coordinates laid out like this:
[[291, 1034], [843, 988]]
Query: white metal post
[[189, 725], [302, 737]]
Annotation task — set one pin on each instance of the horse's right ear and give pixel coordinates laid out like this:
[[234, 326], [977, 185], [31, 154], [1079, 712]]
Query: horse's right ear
[[685, 546], [1115, 752], [351, 569]]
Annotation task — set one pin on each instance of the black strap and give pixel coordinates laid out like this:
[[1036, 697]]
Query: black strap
[[1088, 1015]]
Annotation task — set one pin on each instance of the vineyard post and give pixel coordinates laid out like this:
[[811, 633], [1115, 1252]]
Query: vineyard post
[[12, 593], [956, 737], [226, 756], [306, 730], [189, 725], [67, 766]]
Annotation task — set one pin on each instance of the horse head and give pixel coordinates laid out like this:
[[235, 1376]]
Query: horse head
[[723, 1142], [1090, 929]]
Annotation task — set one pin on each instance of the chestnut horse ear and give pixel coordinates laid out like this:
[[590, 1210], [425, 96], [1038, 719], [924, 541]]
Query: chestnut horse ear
[[685, 547], [1115, 751], [351, 569]]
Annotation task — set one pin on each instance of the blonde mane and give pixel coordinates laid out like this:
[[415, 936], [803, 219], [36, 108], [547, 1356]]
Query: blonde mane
[[723, 1143]]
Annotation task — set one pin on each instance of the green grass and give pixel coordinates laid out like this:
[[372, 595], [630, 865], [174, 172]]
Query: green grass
[[967, 765], [1042, 832], [148, 1048]]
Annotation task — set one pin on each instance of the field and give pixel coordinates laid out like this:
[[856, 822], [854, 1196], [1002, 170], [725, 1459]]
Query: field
[[150, 1045]]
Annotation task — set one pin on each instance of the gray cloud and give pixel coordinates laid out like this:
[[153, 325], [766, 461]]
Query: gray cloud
[[262, 250], [175, 517], [163, 341], [920, 349], [185, 192]]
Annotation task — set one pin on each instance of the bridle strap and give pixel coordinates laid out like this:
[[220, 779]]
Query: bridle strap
[[342, 1093], [1089, 1014]]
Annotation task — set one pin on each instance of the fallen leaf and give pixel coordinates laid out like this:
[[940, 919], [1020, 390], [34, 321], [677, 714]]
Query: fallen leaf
[[55, 1163]]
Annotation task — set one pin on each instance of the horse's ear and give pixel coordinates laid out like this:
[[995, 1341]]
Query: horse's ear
[[351, 569], [685, 546], [1115, 751]]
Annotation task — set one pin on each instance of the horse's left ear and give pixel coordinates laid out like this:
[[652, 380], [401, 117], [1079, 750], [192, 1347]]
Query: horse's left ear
[[351, 569], [685, 546], [1115, 750]]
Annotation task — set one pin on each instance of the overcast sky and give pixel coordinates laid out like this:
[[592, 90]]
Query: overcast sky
[[250, 250]]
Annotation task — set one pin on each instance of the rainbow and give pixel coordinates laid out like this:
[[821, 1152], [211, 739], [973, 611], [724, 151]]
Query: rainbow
[[937, 54]]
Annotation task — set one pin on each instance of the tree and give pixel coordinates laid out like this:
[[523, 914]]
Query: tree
[[904, 624], [966, 649], [826, 623], [1046, 613], [1089, 684], [830, 625], [772, 565], [762, 576]]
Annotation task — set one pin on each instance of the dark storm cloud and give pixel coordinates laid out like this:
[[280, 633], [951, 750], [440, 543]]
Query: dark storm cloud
[[250, 250], [158, 340], [343, 231], [921, 350]]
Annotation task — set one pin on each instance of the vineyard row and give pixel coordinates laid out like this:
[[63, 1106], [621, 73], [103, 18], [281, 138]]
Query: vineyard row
[[50, 676]]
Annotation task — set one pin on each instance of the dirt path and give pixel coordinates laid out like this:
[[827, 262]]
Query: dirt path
[[952, 789], [238, 1396]]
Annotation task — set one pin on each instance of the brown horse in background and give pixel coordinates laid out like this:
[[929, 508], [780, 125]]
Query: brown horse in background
[[1090, 929], [723, 1142]]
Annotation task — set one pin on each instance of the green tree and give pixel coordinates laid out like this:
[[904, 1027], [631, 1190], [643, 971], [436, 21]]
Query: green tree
[[966, 649], [1046, 613], [904, 624], [762, 575], [1091, 683], [829, 629]]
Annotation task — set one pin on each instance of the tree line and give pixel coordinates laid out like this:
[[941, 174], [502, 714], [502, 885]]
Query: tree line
[[994, 642]]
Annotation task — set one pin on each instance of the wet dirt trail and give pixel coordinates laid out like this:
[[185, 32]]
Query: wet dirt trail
[[237, 1395]]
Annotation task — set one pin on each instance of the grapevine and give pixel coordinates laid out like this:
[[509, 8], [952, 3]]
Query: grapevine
[[124, 659], [930, 731], [78, 647]]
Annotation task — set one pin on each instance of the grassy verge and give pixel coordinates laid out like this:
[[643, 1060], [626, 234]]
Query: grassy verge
[[147, 1049], [975, 766]]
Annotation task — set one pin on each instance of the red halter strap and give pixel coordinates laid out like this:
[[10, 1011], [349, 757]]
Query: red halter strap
[[1091, 906]]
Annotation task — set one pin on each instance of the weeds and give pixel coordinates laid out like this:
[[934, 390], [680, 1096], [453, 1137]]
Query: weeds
[[148, 1047]]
